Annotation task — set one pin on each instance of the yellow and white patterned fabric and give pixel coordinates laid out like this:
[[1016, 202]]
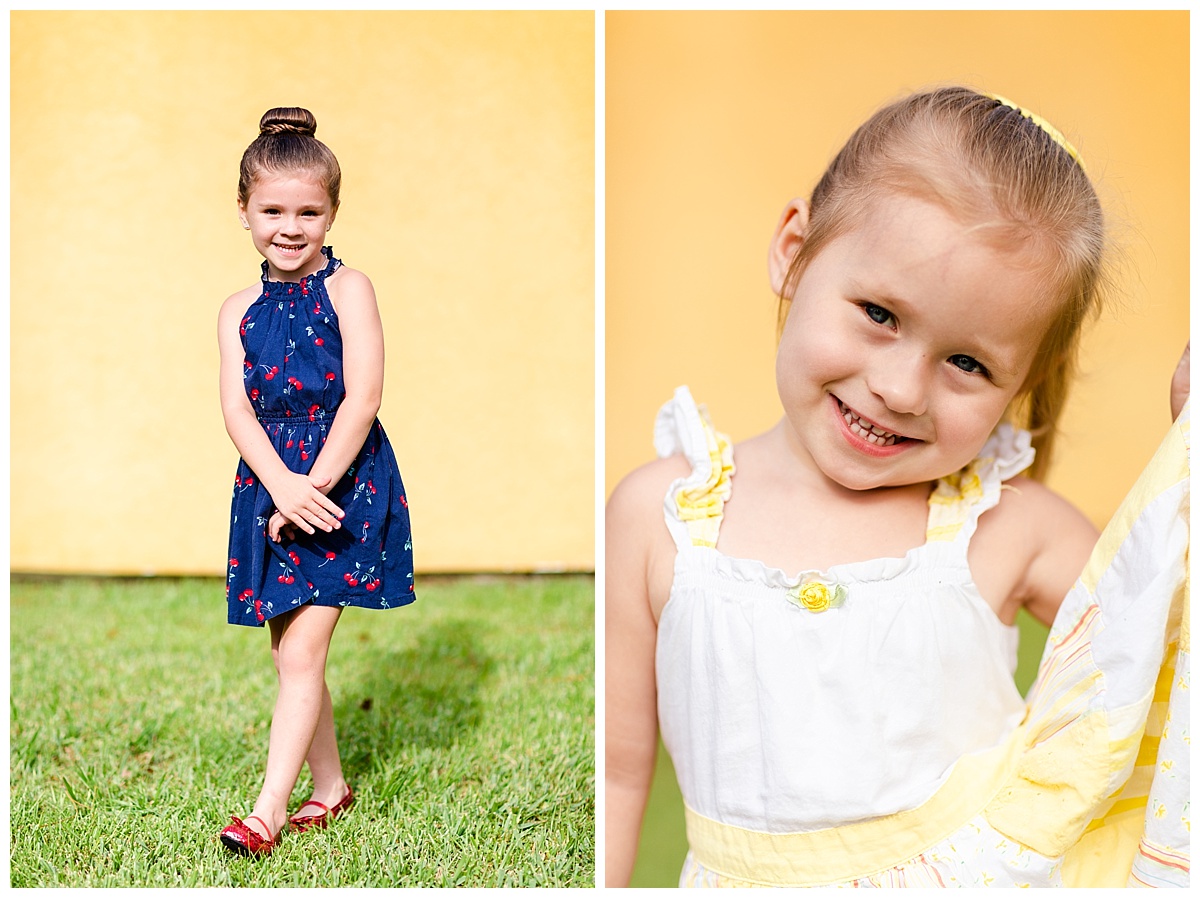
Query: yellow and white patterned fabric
[[876, 738]]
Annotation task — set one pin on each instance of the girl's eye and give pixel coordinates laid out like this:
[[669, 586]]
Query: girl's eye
[[968, 364], [879, 315]]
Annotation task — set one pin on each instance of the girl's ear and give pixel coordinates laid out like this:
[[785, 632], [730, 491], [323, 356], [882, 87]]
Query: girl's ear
[[789, 237], [242, 215]]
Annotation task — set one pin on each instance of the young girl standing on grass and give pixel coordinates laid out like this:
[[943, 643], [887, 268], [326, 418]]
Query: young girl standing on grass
[[319, 518], [826, 637]]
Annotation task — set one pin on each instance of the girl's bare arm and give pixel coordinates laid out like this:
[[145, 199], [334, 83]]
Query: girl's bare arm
[[1066, 536], [1063, 540], [353, 299], [632, 519]]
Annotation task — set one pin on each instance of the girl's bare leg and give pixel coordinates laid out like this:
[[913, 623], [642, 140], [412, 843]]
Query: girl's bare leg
[[324, 762], [299, 645]]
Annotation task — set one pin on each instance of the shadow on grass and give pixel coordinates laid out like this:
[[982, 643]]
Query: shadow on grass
[[425, 696]]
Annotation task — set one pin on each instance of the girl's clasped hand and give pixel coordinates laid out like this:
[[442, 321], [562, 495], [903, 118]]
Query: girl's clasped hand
[[305, 507]]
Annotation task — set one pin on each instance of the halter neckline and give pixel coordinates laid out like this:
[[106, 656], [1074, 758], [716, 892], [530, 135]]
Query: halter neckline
[[331, 265]]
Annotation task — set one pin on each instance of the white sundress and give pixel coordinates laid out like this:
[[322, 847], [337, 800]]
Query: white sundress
[[860, 726]]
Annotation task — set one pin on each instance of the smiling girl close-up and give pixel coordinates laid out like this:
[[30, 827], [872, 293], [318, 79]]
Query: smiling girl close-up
[[819, 620]]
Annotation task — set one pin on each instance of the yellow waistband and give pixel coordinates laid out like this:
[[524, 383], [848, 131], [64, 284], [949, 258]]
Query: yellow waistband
[[857, 849]]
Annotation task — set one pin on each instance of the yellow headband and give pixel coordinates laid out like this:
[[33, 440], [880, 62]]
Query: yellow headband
[[1055, 134]]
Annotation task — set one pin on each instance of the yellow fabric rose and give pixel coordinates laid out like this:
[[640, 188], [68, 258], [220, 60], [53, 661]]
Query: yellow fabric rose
[[816, 595]]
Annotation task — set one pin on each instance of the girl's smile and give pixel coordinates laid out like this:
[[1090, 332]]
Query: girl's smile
[[867, 436], [288, 216], [907, 338]]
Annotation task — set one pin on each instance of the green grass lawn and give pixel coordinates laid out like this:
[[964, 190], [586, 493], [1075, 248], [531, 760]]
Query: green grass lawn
[[664, 843], [139, 722]]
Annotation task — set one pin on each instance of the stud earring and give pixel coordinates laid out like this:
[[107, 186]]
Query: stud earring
[[246, 225]]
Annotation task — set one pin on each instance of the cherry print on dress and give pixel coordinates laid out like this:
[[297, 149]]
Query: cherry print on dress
[[292, 345]]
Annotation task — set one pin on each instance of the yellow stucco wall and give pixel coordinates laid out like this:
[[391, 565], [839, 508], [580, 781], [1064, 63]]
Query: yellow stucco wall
[[715, 120], [467, 146]]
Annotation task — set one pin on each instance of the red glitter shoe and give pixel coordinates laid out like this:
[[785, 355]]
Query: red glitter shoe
[[241, 839], [301, 823]]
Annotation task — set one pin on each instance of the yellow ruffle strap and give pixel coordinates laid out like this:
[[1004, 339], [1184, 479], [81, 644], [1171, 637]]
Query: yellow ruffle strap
[[698, 501], [959, 499]]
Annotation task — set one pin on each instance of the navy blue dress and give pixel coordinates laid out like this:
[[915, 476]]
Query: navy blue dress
[[293, 378]]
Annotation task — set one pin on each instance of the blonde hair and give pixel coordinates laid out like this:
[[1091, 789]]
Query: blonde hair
[[985, 162], [286, 142]]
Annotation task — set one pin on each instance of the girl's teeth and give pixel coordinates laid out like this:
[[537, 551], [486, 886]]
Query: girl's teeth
[[874, 438], [870, 433]]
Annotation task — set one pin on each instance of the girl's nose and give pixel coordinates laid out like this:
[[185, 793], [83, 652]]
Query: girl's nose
[[902, 382]]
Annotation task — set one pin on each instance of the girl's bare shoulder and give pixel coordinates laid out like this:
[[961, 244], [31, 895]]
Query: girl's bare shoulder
[[347, 276], [350, 288], [235, 306], [1042, 515], [639, 551], [633, 519], [347, 280], [1030, 549], [640, 493]]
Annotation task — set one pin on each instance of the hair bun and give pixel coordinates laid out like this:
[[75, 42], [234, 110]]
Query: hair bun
[[288, 120]]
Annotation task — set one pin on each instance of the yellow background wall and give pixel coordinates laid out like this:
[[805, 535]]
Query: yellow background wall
[[467, 144], [715, 120]]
